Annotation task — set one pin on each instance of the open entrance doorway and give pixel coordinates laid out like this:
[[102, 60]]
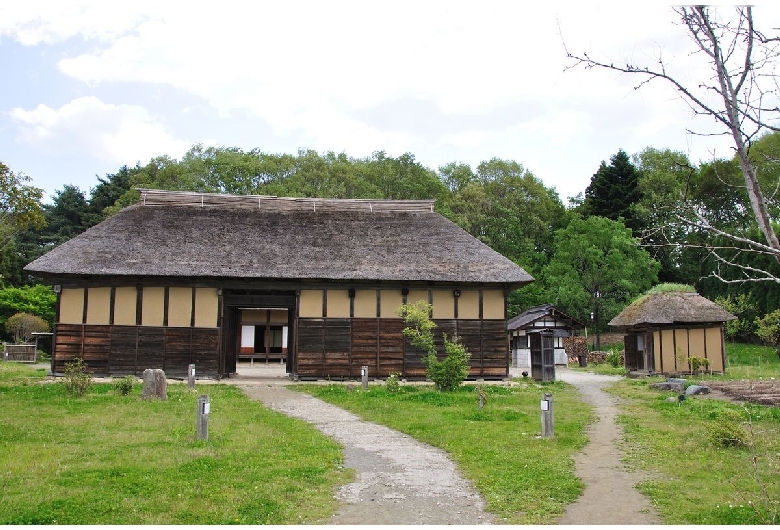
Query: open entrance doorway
[[264, 334], [258, 326]]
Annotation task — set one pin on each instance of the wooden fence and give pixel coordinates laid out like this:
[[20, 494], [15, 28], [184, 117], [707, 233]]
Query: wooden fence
[[25, 353]]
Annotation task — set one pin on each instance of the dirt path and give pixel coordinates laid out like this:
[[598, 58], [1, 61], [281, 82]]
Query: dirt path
[[402, 481], [610, 496]]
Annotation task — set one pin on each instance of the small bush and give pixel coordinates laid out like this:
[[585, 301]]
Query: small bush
[[453, 370], [614, 359], [77, 378], [125, 385], [23, 325], [392, 384], [697, 363], [726, 431]]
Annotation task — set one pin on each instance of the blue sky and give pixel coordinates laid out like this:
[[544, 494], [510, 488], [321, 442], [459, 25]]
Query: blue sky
[[89, 87]]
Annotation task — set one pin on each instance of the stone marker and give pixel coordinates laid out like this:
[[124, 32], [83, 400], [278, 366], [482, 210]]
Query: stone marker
[[155, 384]]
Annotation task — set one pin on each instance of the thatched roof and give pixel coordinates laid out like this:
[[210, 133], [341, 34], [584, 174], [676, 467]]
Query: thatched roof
[[360, 241], [529, 316], [672, 307]]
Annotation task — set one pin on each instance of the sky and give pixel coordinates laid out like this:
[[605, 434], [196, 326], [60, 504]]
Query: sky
[[90, 87]]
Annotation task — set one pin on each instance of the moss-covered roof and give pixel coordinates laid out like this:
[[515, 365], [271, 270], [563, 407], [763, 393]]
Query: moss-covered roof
[[671, 307]]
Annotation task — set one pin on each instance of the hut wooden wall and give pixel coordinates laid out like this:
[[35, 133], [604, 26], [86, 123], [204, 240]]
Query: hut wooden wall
[[674, 346], [129, 350], [340, 347]]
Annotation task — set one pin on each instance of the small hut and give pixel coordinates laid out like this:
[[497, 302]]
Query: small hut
[[529, 325], [668, 326]]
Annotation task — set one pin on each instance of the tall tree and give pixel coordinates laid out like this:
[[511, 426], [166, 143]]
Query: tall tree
[[613, 191], [20, 204], [597, 268], [740, 94]]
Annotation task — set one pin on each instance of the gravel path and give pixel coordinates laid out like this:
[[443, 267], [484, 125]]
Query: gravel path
[[402, 481]]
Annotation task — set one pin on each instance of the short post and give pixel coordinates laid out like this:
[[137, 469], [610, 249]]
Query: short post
[[204, 407], [191, 377], [364, 377], [548, 422]]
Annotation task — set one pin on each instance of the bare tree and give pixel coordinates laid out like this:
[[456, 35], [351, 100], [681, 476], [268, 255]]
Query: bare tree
[[741, 95]]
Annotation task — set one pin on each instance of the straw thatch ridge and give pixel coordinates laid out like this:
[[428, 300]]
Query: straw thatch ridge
[[151, 197], [341, 245], [671, 308]]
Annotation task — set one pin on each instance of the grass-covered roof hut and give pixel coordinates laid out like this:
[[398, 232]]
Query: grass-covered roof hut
[[192, 278], [669, 325]]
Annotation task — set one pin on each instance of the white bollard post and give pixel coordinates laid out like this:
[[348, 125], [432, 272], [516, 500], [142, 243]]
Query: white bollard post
[[191, 377], [364, 377]]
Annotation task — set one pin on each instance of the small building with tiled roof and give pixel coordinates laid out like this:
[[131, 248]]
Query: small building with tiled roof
[[193, 278], [669, 325], [526, 328]]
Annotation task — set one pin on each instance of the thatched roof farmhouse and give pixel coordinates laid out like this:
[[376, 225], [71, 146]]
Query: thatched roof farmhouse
[[184, 278], [669, 325]]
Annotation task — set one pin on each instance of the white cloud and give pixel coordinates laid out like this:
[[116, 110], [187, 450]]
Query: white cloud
[[113, 133], [46, 22]]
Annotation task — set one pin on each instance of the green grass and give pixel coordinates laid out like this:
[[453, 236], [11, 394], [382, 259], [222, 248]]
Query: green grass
[[524, 479], [111, 459], [695, 481], [751, 361]]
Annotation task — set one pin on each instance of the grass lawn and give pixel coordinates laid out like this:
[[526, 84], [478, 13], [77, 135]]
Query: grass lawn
[[111, 459], [700, 475], [524, 479]]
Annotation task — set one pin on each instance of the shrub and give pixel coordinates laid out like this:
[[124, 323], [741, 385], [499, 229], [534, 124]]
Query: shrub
[[77, 378], [698, 362], [614, 359], [726, 431], [392, 384], [453, 370], [125, 385], [23, 325]]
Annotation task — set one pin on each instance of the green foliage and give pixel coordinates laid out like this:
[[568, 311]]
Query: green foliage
[[124, 386], [419, 326], [38, 300], [742, 329], [768, 328], [697, 363], [597, 268], [613, 191], [613, 358], [20, 203], [449, 373], [77, 379], [392, 383], [23, 325], [726, 431]]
